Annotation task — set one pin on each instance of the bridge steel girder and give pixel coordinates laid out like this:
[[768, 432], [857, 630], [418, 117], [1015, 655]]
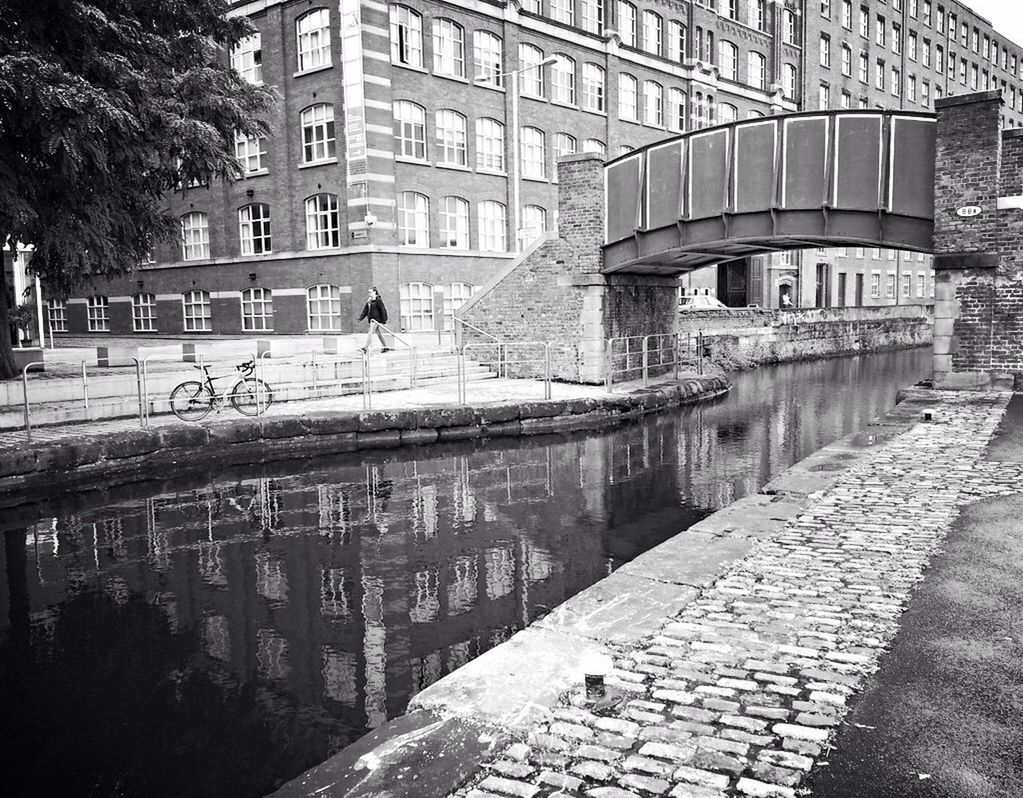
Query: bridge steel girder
[[814, 179]]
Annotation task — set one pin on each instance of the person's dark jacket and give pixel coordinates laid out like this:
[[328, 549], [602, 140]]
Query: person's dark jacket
[[375, 310]]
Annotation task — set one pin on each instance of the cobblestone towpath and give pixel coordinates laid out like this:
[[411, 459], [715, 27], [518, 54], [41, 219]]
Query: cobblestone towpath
[[741, 692]]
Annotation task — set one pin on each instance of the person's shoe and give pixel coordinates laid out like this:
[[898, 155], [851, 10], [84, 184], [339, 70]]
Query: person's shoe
[[386, 349], [362, 349]]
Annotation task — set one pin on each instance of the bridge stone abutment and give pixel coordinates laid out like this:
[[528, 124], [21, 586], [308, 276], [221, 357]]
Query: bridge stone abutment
[[978, 312], [556, 292]]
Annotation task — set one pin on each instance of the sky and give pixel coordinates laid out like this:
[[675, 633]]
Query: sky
[[1005, 15]]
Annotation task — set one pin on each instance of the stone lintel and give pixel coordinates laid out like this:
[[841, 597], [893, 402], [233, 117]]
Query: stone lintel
[[968, 99], [583, 280], [966, 260]]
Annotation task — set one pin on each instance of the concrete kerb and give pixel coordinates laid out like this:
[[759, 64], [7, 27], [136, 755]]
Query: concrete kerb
[[76, 460], [507, 690]]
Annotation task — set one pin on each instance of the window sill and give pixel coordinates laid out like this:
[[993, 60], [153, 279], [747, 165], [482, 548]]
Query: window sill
[[312, 164], [410, 67], [594, 111], [312, 71], [535, 179], [417, 161], [456, 78], [257, 173], [538, 97], [453, 166], [494, 172], [483, 84], [563, 104]]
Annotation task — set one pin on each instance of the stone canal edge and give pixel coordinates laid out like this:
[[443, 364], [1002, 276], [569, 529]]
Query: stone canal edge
[[738, 644], [78, 460]]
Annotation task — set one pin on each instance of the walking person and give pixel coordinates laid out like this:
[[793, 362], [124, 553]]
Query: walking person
[[377, 315]]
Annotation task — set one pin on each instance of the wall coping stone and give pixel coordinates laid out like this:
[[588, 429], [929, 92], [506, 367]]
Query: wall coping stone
[[579, 157], [969, 99], [1013, 133], [965, 260]]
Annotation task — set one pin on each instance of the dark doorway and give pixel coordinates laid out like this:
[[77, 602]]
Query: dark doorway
[[840, 300], [733, 283], [823, 285], [859, 290]]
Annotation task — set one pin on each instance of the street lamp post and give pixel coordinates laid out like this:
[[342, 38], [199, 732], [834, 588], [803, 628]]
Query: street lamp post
[[513, 77]]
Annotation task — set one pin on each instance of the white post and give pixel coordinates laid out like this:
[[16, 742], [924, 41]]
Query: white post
[[39, 315]]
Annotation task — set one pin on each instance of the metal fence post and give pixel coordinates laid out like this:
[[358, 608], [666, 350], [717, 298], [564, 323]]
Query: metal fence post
[[138, 386], [367, 390], [608, 364], [24, 394], [460, 373], [699, 351], [547, 370], [676, 352], [412, 366], [646, 360], [85, 387]]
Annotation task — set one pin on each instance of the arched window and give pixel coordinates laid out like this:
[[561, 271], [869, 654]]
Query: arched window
[[563, 80], [489, 145], [563, 11], [593, 87], [564, 144], [727, 113], [143, 313], [534, 153], [98, 314], [487, 57], [789, 83], [198, 315], [406, 37], [323, 305], [652, 29], [454, 223], [533, 224], [254, 229], [456, 296], [756, 70], [257, 309], [678, 41], [322, 223], [448, 48], [195, 236], [247, 59], [413, 219], [728, 60], [627, 97], [451, 138], [313, 31], [531, 81], [318, 133], [627, 23], [677, 111], [250, 151], [596, 146], [410, 130], [653, 103], [493, 226], [789, 28], [416, 306]]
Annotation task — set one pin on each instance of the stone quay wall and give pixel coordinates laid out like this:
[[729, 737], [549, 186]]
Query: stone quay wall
[[752, 336]]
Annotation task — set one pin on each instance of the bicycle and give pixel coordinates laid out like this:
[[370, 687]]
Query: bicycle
[[193, 400]]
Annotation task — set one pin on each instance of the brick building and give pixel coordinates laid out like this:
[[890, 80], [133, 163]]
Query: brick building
[[414, 149]]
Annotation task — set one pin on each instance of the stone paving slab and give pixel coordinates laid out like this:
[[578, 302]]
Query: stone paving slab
[[740, 693], [755, 515], [691, 558]]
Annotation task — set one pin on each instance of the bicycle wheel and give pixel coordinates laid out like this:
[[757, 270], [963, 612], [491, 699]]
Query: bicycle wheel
[[246, 392], [190, 401]]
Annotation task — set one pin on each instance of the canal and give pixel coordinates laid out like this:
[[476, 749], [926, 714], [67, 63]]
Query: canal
[[218, 633]]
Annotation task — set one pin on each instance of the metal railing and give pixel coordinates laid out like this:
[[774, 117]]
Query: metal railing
[[638, 357], [526, 357], [501, 364]]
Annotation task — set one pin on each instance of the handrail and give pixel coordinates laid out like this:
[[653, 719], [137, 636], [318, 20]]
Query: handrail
[[639, 360], [502, 347], [395, 335], [24, 393], [474, 328]]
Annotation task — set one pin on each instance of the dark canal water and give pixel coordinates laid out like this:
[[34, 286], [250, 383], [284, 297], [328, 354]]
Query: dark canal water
[[219, 633]]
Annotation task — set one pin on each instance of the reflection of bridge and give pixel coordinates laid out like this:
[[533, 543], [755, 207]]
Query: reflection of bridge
[[839, 178]]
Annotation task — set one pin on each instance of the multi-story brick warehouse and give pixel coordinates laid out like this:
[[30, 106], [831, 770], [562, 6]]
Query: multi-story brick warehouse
[[414, 149]]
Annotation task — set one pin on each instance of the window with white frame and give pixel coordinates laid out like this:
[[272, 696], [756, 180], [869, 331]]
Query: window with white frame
[[653, 41], [250, 152], [454, 223], [487, 58], [896, 82], [595, 146], [727, 113], [593, 87], [533, 6], [627, 100], [406, 37], [921, 285], [410, 130], [531, 83], [533, 224], [457, 294], [254, 229], [564, 144], [889, 286], [847, 20], [313, 31], [318, 133], [789, 28], [758, 14], [197, 312], [98, 314], [824, 97], [728, 60], [413, 219], [257, 309], [533, 144], [323, 308], [493, 226], [563, 11], [825, 50], [731, 9], [195, 236], [143, 313], [563, 80], [56, 311], [416, 306], [846, 61], [625, 149], [451, 138], [489, 145], [448, 48], [678, 41], [247, 59], [627, 22], [756, 70], [653, 103], [875, 286], [788, 80], [593, 16], [322, 222], [677, 110], [864, 67]]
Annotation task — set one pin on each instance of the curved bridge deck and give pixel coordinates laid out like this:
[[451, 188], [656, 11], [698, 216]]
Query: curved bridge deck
[[816, 179]]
